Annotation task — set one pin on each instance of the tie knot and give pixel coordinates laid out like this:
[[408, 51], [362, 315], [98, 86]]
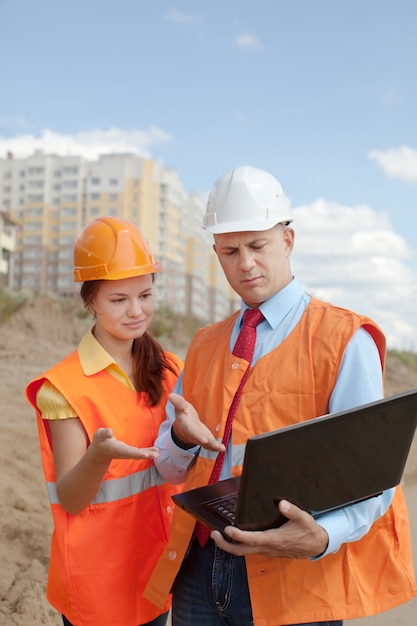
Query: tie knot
[[252, 317]]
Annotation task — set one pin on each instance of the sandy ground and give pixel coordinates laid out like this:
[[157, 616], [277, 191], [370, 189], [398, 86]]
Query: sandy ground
[[38, 336]]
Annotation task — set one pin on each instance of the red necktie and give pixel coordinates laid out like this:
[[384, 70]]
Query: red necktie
[[244, 347]]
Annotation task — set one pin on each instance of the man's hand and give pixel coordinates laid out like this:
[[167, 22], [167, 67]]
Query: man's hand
[[299, 538], [187, 428]]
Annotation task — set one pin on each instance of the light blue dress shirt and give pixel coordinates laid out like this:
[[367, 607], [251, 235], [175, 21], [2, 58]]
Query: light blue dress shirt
[[359, 381]]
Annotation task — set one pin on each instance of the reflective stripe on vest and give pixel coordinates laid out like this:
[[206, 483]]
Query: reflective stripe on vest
[[118, 488], [238, 452]]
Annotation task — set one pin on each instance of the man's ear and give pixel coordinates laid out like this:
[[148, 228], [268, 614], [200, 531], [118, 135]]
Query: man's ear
[[289, 236]]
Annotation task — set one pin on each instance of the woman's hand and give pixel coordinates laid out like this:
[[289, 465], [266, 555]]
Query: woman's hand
[[79, 467], [107, 447]]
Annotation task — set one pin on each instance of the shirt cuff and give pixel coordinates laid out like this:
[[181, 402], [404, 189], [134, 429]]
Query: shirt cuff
[[173, 461], [177, 452], [337, 527]]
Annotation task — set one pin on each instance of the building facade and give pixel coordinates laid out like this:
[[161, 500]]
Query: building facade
[[7, 248], [51, 198]]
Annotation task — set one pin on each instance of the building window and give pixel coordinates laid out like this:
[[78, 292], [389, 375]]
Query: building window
[[33, 225], [33, 240], [30, 282], [68, 226], [33, 253], [65, 282], [70, 170], [66, 241], [66, 253], [69, 212]]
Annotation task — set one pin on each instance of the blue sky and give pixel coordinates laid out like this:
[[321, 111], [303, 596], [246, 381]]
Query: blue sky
[[322, 93]]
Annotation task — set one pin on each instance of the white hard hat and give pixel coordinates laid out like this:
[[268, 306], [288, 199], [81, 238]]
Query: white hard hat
[[246, 199]]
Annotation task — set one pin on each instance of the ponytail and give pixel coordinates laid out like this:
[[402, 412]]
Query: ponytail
[[150, 363]]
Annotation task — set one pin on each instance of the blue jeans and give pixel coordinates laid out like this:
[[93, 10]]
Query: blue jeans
[[161, 620], [211, 589]]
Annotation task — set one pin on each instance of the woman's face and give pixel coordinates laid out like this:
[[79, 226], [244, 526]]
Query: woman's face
[[123, 308]]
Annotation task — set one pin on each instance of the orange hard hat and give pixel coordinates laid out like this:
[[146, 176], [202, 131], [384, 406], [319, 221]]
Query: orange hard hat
[[111, 248]]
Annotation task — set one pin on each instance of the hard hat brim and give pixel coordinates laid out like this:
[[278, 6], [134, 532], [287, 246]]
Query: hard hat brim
[[100, 272], [244, 226]]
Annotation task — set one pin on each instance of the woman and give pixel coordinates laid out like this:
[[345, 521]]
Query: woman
[[98, 414]]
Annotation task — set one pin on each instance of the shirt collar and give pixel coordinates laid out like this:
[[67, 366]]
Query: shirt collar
[[93, 357], [276, 308]]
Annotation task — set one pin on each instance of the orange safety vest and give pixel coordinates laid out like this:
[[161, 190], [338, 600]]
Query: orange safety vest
[[291, 384], [101, 559]]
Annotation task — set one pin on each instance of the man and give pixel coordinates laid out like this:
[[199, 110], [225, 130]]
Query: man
[[310, 358]]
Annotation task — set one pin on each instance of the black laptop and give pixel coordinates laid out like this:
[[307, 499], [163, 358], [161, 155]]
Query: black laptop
[[319, 465]]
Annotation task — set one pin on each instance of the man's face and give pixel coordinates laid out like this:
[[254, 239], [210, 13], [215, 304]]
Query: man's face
[[256, 263]]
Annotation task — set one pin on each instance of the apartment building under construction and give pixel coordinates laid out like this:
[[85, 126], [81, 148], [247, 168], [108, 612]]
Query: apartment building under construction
[[50, 198]]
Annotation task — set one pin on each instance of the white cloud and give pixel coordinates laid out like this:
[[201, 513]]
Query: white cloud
[[353, 258], [88, 144], [397, 163], [246, 40], [178, 17]]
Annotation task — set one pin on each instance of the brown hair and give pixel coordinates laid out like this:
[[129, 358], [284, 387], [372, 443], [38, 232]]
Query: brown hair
[[149, 359]]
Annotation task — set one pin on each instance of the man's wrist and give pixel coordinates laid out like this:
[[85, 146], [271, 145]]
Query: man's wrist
[[179, 442]]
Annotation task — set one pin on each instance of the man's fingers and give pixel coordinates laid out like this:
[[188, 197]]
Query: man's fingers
[[291, 511], [177, 401]]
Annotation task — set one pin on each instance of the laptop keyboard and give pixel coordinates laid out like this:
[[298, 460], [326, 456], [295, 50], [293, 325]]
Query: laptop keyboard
[[224, 507]]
